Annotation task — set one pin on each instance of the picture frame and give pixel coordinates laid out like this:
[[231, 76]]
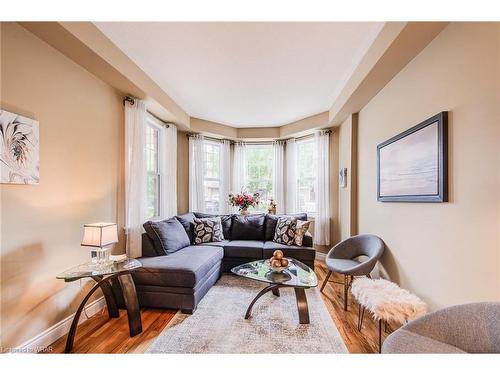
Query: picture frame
[[413, 165], [19, 149]]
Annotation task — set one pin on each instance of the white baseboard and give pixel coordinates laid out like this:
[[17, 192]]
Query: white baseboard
[[320, 256], [42, 341]]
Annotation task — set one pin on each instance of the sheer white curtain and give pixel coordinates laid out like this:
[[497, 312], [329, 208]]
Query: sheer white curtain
[[322, 219], [196, 168], [168, 165], [135, 176], [278, 176], [225, 177], [239, 167], [291, 177]]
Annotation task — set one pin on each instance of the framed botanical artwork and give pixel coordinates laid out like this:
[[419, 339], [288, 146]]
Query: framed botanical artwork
[[19, 149], [413, 166]]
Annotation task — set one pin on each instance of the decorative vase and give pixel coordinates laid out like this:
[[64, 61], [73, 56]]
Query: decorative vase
[[243, 211]]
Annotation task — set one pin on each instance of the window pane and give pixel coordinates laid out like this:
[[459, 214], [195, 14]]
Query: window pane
[[152, 199], [211, 181], [152, 169], [259, 172], [151, 149], [212, 197], [306, 170]]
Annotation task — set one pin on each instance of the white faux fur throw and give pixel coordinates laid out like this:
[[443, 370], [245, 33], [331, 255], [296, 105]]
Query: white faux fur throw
[[387, 301]]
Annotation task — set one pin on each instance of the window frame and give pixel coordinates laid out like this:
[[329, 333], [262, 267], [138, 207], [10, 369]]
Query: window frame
[[154, 124], [299, 143], [263, 205], [218, 146]]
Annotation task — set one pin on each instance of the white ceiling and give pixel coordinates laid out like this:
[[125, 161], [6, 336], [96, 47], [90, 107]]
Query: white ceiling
[[246, 74]]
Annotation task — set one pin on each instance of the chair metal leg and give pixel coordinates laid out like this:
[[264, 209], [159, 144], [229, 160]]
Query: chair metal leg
[[325, 281], [361, 315], [346, 290], [380, 336]]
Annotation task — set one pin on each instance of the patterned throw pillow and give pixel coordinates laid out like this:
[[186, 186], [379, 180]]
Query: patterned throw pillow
[[208, 230], [302, 228], [285, 230]]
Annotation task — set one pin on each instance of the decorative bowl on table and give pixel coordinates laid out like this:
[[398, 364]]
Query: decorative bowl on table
[[278, 263]]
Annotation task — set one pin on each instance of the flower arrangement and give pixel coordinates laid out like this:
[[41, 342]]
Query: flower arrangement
[[271, 208], [244, 201]]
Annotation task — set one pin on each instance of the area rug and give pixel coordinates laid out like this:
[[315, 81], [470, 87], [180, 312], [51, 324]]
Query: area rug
[[218, 324]]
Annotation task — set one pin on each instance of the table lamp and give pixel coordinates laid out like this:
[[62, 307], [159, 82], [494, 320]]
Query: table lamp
[[100, 236]]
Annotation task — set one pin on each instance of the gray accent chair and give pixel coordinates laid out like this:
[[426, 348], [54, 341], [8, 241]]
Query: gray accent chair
[[470, 328], [344, 258]]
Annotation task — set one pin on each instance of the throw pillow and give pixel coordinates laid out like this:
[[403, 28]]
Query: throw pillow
[[248, 227], [285, 230], [167, 235], [208, 230], [302, 228]]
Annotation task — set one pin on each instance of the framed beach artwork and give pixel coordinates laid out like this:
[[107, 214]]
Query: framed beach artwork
[[19, 149], [413, 166]]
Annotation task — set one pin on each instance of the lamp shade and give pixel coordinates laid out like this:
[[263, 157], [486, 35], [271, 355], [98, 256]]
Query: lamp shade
[[99, 234]]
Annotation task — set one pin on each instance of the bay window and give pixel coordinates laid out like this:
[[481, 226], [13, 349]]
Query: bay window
[[153, 175], [306, 176]]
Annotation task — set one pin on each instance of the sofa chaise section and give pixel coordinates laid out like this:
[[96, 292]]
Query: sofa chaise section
[[178, 280]]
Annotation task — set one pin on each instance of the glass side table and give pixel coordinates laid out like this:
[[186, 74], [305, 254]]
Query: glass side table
[[103, 276]]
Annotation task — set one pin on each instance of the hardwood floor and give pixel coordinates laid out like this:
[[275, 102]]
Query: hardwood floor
[[99, 334]]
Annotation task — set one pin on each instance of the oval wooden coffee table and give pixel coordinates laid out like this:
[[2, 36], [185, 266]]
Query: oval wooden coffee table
[[297, 276]]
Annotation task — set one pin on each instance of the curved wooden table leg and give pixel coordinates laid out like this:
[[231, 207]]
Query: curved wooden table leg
[[300, 295], [113, 311], [76, 318], [131, 303], [268, 288]]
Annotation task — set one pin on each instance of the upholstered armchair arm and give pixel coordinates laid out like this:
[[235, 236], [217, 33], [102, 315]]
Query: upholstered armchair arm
[[474, 328]]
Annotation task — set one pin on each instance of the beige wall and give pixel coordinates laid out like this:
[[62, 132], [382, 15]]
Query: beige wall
[[182, 173], [81, 133], [347, 196], [447, 253]]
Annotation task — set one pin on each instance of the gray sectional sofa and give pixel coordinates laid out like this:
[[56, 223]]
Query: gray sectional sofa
[[176, 273]]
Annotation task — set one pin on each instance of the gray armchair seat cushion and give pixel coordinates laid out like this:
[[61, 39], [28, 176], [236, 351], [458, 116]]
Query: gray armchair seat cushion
[[470, 328], [341, 265], [345, 256], [244, 249], [298, 252], [181, 269]]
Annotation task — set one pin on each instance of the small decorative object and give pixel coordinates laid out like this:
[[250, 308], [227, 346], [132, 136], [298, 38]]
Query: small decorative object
[[271, 208], [278, 262], [100, 236], [19, 149], [413, 165], [244, 201], [343, 177]]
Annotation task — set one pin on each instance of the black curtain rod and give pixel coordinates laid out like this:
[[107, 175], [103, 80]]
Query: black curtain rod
[[132, 102], [255, 142]]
